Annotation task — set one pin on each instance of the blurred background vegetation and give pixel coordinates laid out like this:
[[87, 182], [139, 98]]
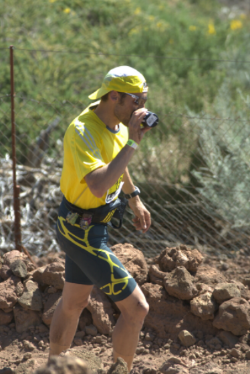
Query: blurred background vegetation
[[193, 53]]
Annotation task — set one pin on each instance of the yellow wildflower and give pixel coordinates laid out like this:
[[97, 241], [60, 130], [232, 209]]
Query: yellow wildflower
[[211, 29], [171, 41], [67, 10], [133, 31], [192, 28], [243, 16], [52, 1], [162, 25], [137, 11], [235, 24], [151, 18]]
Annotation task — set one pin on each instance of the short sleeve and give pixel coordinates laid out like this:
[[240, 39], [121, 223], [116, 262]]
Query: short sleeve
[[86, 150]]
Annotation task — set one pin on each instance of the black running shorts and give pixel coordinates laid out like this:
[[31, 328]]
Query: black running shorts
[[90, 261]]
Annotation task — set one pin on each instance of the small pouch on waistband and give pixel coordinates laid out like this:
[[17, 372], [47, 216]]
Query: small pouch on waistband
[[119, 213]]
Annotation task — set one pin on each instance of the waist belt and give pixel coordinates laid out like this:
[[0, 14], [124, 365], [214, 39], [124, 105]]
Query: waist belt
[[101, 215]]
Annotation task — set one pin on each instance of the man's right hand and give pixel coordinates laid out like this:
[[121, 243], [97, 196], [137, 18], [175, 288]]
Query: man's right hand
[[136, 132]]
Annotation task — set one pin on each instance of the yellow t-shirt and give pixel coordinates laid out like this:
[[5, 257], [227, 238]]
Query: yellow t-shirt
[[88, 145]]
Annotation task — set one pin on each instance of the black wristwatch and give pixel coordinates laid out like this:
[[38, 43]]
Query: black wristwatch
[[133, 194]]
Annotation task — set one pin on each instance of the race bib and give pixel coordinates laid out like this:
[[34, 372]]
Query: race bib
[[114, 191]]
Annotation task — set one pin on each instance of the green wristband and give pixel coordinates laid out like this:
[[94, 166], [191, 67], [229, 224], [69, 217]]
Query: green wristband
[[132, 143]]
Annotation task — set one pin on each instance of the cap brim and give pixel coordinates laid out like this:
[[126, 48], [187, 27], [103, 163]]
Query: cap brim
[[99, 93]]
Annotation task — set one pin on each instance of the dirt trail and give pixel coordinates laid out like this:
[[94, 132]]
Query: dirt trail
[[24, 325]]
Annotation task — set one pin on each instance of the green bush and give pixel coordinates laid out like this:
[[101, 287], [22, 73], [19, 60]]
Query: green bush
[[224, 146]]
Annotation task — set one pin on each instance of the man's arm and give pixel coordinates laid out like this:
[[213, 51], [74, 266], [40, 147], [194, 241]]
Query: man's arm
[[142, 219], [101, 179]]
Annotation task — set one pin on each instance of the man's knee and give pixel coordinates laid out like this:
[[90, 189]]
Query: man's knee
[[142, 309], [76, 306], [137, 313]]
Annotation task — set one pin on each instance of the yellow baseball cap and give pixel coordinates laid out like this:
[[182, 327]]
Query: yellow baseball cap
[[121, 79]]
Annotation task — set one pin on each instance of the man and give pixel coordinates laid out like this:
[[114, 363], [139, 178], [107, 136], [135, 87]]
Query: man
[[98, 145]]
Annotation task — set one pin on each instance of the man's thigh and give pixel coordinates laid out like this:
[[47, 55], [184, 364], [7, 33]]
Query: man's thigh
[[75, 296]]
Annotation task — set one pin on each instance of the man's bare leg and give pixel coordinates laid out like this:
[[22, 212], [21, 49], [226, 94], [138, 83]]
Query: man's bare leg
[[126, 332], [66, 316]]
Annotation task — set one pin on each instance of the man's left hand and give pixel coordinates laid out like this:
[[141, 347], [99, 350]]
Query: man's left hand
[[142, 219]]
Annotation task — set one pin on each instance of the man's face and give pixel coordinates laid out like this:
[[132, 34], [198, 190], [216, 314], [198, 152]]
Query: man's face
[[127, 104]]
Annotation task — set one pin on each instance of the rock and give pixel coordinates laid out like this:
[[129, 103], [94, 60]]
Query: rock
[[50, 306], [27, 356], [186, 338], [120, 367], [14, 255], [248, 355], [91, 330], [203, 288], [244, 291], [149, 336], [80, 334], [180, 284], [176, 369], [204, 306], [8, 295], [42, 328], [77, 341], [5, 318], [85, 319], [245, 280], [26, 367], [51, 289], [245, 339], [168, 315], [93, 362], [213, 370], [51, 274], [173, 365], [10, 257], [19, 268], [101, 310], [5, 272], [7, 310], [214, 343], [156, 275], [19, 288], [7, 371], [228, 338], [25, 318], [235, 353], [171, 258], [28, 346], [64, 365], [208, 275], [133, 260], [233, 316], [225, 291], [31, 297]]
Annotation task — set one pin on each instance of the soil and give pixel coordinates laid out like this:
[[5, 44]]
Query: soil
[[24, 352]]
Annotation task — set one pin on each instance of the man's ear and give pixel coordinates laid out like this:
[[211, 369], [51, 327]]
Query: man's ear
[[113, 95]]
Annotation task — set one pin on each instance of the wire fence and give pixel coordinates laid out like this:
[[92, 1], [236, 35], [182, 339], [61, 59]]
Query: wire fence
[[190, 186]]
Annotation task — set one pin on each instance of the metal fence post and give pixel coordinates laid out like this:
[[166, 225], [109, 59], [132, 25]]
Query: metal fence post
[[16, 189]]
